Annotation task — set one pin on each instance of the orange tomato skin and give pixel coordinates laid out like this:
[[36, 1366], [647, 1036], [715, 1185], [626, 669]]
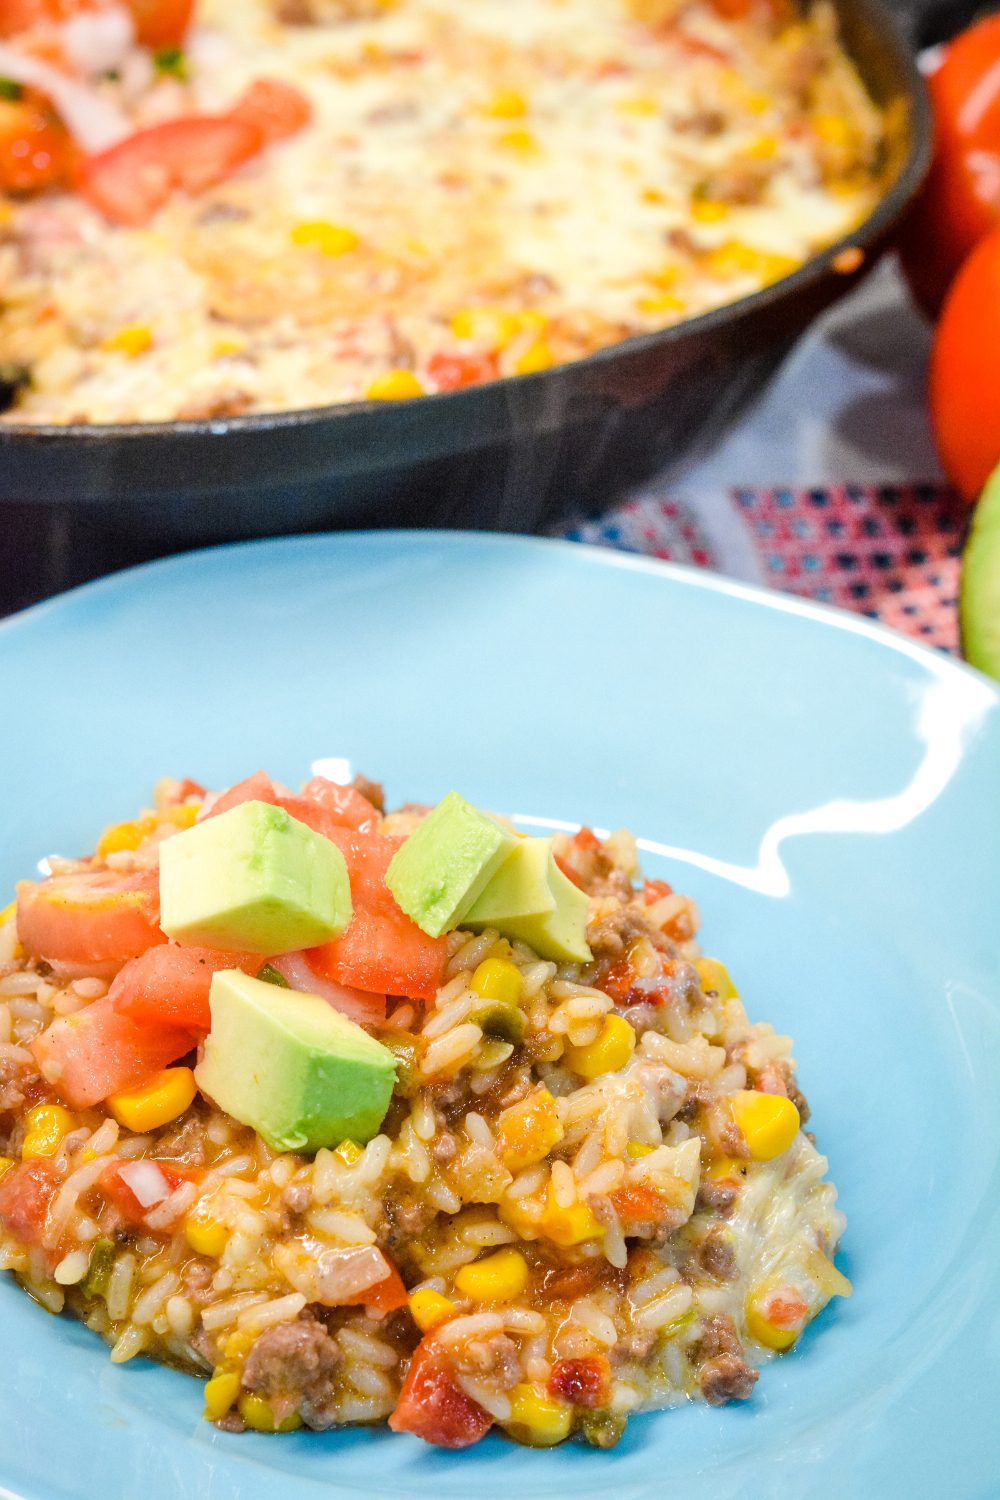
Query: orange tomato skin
[[960, 202], [964, 384]]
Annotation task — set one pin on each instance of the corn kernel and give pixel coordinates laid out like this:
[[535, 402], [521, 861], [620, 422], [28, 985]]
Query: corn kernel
[[496, 979], [349, 1152], [428, 1308], [775, 1317], [737, 259], [205, 1234], [184, 814], [662, 302], [522, 141], [537, 1420], [119, 837], [834, 130], [506, 104], [133, 340], [6, 1162], [528, 1131], [708, 211], [537, 356], [636, 1149], [220, 1393], [485, 325], [637, 104], [763, 148], [568, 1226], [498, 1278], [47, 1125], [394, 385], [715, 976], [769, 1122], [609, 1053], [724, 1167], [160, 1099], [238, 1345], [9, 911], [328, 239], [259, 1414], [228, 347]]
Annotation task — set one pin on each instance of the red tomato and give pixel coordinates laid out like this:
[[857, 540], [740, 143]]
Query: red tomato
[[452, 372], [98, 1051], [36, 150], [129, 182], [960, 202], [26, 1194], [345, 803], [158, 23], [786, 1309], [386, 1296], [655, 890], [382, 950], [161, 23], [115, 1187], [275, 109], [322, 805], [581, 1382], [569, 871], [433, 1407], [96, 918], [638, 1203], [964, 378], [169, 985]]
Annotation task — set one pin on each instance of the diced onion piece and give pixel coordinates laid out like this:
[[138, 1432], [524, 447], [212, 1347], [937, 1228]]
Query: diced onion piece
[[145, 1181], [97, 42], [356, 1005], [93, 122]]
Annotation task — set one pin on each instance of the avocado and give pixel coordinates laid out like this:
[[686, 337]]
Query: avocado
[[289, 1065], [979, 601], [530, 898], [520, 888], [253, 880], [445, 863]]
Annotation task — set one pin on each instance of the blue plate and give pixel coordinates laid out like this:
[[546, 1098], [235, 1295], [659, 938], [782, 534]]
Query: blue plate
[[828, 792]]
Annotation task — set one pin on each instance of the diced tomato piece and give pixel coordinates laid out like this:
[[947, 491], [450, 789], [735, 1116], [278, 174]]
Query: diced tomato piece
[[433, 1407], [275, 109], [188, 788], [581, 1382], [569, 871], [94, 918], [256, 788], [161, 23], [129, 182], [638, 1203], [382, 950], [785, 1309], [388, 1295], [36, 149], [587, 840], [655, 890], [453, 372], [345, 803], [169, 985], [617, 980], [24, 15], [117, 1189], [98, 1051], [26, 1194]]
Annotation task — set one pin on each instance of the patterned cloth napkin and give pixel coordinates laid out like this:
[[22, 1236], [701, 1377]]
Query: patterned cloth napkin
[[830, 487], [888, 551]]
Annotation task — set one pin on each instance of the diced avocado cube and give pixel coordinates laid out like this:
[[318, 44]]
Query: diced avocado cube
[[520, 887], [530, 898], [447, 860], [289, 1065], [253, 880]]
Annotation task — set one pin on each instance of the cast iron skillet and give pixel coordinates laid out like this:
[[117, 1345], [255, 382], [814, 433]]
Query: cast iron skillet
[[503, 455]]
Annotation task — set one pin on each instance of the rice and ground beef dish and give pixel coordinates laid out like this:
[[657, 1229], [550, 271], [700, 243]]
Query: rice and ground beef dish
[[350, 1147], [277, 204]]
